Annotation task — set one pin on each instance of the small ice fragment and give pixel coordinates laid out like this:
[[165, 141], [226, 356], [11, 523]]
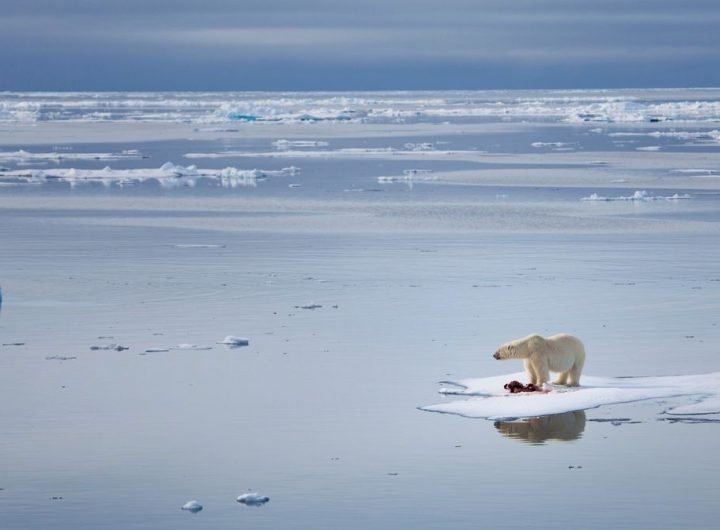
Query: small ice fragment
[[59, 358], [116, 347], [156, 350], [252, 499], [309, 306], [192, 506], [234, 341]]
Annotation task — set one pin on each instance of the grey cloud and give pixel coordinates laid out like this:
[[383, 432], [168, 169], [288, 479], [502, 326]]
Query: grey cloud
[[426, 37]]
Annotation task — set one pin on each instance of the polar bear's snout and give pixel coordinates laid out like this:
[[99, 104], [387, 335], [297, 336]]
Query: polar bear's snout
[[496, 355]]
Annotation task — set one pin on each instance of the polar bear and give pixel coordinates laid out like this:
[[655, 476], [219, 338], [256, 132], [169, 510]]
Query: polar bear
[[541, 355]]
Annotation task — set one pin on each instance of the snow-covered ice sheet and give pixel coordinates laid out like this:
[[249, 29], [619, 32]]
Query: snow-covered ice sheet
[[486, 397]]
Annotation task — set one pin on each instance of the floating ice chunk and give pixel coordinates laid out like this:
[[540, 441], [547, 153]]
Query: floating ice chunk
[[156, 350], [252, 499], [649, 148], [191, 347], [59, 358], [488, 399], [308, 306], [639, 196], [192, 506], [234, 342]]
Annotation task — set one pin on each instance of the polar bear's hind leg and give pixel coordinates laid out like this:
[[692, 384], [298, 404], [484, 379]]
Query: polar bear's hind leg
[[562, 378], [575, 372]]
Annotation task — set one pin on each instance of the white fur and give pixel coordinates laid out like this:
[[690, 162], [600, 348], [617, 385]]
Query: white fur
[[541, 355]]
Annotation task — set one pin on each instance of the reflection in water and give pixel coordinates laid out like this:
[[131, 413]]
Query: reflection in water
[[563, 427]]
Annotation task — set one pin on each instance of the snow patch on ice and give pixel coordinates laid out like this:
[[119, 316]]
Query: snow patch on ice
[[488, 399]]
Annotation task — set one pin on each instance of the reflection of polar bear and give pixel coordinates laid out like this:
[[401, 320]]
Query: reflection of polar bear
[[559, 353], [565, 427]]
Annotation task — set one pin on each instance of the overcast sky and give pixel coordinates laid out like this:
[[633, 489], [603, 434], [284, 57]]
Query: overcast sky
[[357, 44]]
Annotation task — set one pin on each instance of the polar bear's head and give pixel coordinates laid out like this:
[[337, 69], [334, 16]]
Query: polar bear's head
[[506, 351], [518, 348]]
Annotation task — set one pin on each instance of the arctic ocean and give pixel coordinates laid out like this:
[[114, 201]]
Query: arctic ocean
[[209, 297]]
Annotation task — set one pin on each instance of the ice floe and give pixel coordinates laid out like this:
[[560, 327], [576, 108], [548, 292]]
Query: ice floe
[[234, 342], [192, 506], [168, 175], [252, 499], [486, 397], [638, 196]]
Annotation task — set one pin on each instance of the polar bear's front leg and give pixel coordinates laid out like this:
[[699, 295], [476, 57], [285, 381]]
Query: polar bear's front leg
[[538, 365], [530, 370]]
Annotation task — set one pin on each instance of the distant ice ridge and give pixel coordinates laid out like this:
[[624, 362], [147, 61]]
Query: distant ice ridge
[[254, 108], [638, 196], [168, 175], [488, 399]]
